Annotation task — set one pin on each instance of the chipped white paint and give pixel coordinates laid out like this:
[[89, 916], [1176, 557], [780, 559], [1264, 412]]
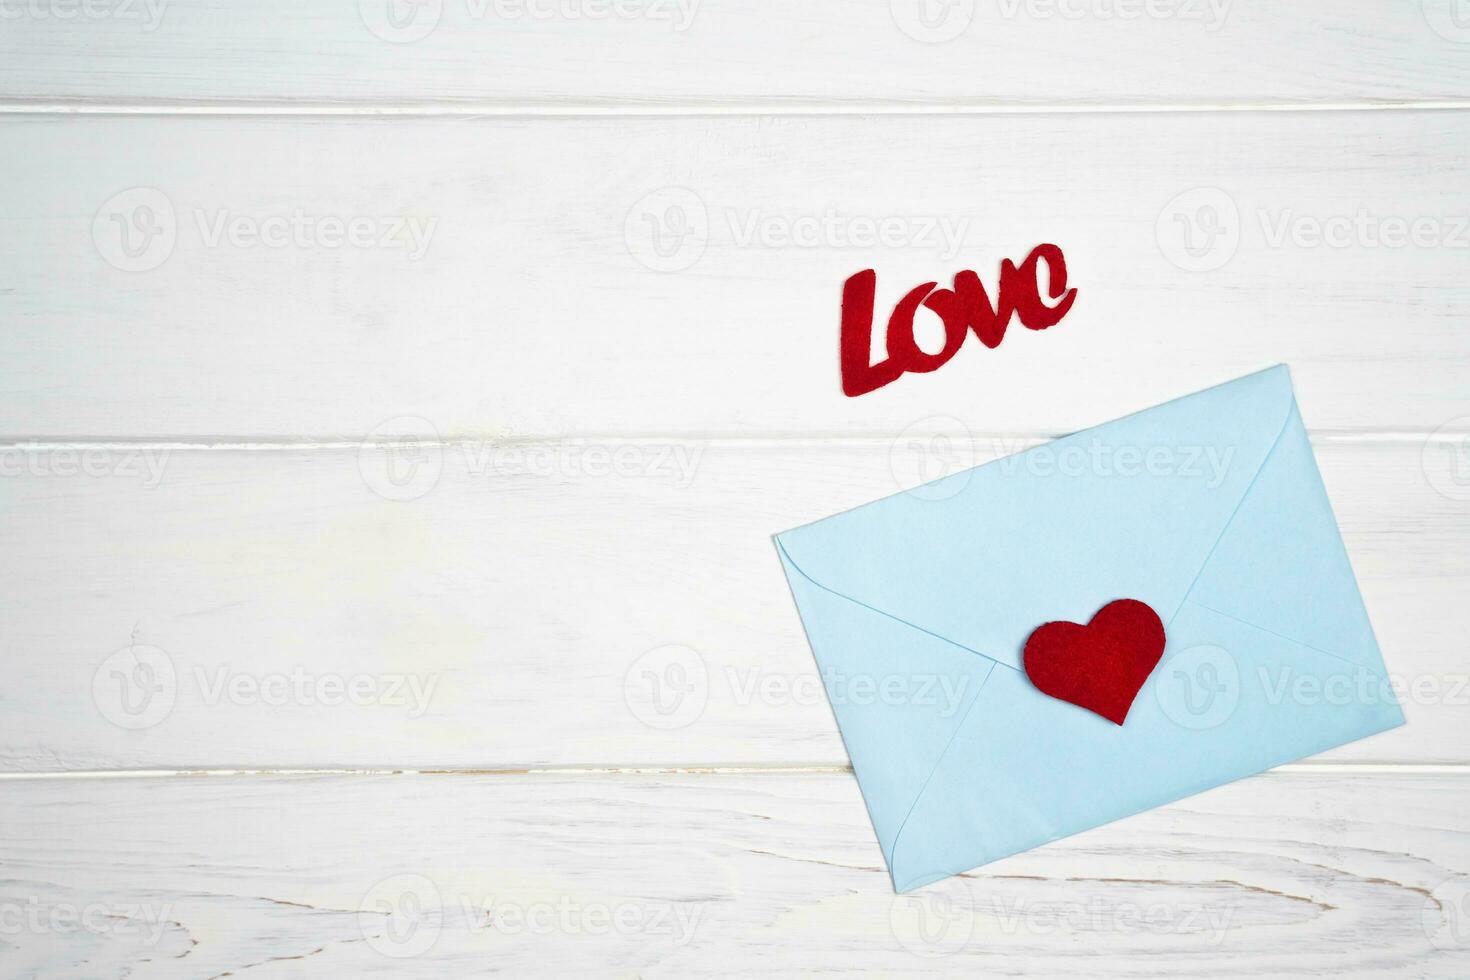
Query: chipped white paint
[[712, 875]]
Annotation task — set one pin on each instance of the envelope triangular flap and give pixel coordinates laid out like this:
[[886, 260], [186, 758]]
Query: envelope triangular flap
[[896, 714], [1281, 566], [1131, 508]]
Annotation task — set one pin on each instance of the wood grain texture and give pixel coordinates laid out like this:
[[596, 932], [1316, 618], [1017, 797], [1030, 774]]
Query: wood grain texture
[[652, 54], [610, 242], [523, 592], [713, 875], [527, 313]]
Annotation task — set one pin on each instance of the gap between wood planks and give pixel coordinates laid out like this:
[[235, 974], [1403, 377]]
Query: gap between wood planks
[[794, 106], [275, 443], [1290, 769]]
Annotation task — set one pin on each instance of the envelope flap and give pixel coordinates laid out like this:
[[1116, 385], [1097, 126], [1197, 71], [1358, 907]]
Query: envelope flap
[[1131, 508]]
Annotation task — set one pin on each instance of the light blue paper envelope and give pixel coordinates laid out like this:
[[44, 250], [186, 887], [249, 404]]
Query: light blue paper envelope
[[1208, 508]]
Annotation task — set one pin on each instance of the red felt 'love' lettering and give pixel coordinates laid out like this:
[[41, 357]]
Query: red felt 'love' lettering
[[963, 308]]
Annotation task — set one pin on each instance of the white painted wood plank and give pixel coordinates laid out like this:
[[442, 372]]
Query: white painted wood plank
[[523, 592], [714, 875], [527, 313], [659, 53]]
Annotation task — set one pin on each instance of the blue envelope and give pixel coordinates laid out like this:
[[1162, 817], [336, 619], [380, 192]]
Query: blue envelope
[[1209, 508]]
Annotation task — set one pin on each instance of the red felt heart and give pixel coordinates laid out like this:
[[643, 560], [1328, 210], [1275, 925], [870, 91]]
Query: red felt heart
[[1100, 666]]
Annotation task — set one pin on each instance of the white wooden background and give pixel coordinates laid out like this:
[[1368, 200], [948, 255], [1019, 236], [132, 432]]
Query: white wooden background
[[194, 471]]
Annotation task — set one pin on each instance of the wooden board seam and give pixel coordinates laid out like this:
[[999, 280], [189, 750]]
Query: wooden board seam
[[1290, 769], [797, 106], [273, 443]]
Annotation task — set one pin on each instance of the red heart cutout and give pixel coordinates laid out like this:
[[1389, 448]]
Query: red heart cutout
[[1100, 666]]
